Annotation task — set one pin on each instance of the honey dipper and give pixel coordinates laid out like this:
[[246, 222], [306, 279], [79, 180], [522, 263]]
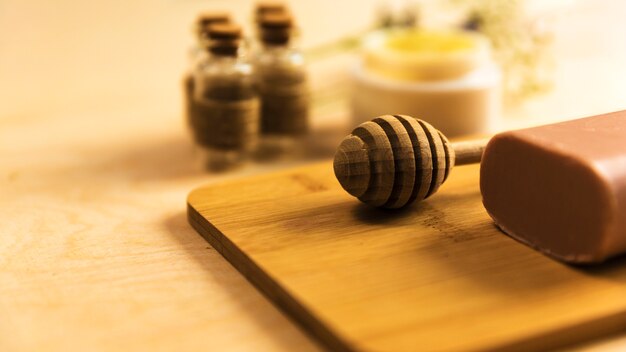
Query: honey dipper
[[395, 160]]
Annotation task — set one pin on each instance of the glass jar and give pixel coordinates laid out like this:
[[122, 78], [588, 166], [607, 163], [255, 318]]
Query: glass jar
[[226, 103], [281, 79]]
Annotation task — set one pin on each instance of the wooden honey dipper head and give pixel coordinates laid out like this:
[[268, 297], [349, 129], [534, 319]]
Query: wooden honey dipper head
[[395, 160]]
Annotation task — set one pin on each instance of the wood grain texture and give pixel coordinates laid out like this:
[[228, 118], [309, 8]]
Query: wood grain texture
[[435, 276]]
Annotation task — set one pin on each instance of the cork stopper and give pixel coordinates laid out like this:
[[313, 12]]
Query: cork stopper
[[228, 31], [276, 28], [225, 39], [263, 8], [207, 19]]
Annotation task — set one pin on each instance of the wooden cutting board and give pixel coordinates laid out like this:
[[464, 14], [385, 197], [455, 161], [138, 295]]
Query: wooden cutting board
[[436, 276]]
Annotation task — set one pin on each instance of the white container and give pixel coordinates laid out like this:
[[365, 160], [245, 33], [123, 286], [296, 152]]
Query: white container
[[456, 91]]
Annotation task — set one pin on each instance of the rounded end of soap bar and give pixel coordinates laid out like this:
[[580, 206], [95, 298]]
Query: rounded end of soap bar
[[546, 197]]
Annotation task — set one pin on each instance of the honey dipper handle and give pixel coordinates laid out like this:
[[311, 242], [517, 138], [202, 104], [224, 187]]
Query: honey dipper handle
[[469, 152]]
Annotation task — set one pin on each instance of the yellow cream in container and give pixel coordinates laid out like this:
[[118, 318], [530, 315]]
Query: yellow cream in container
[[445, 78]]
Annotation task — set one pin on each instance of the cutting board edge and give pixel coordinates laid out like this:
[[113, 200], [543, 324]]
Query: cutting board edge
[[268, 287]]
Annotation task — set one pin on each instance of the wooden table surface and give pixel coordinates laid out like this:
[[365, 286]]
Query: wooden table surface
[[95, 249]]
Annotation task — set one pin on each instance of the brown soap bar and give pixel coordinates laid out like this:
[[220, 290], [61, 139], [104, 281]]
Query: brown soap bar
[[561, 188]]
